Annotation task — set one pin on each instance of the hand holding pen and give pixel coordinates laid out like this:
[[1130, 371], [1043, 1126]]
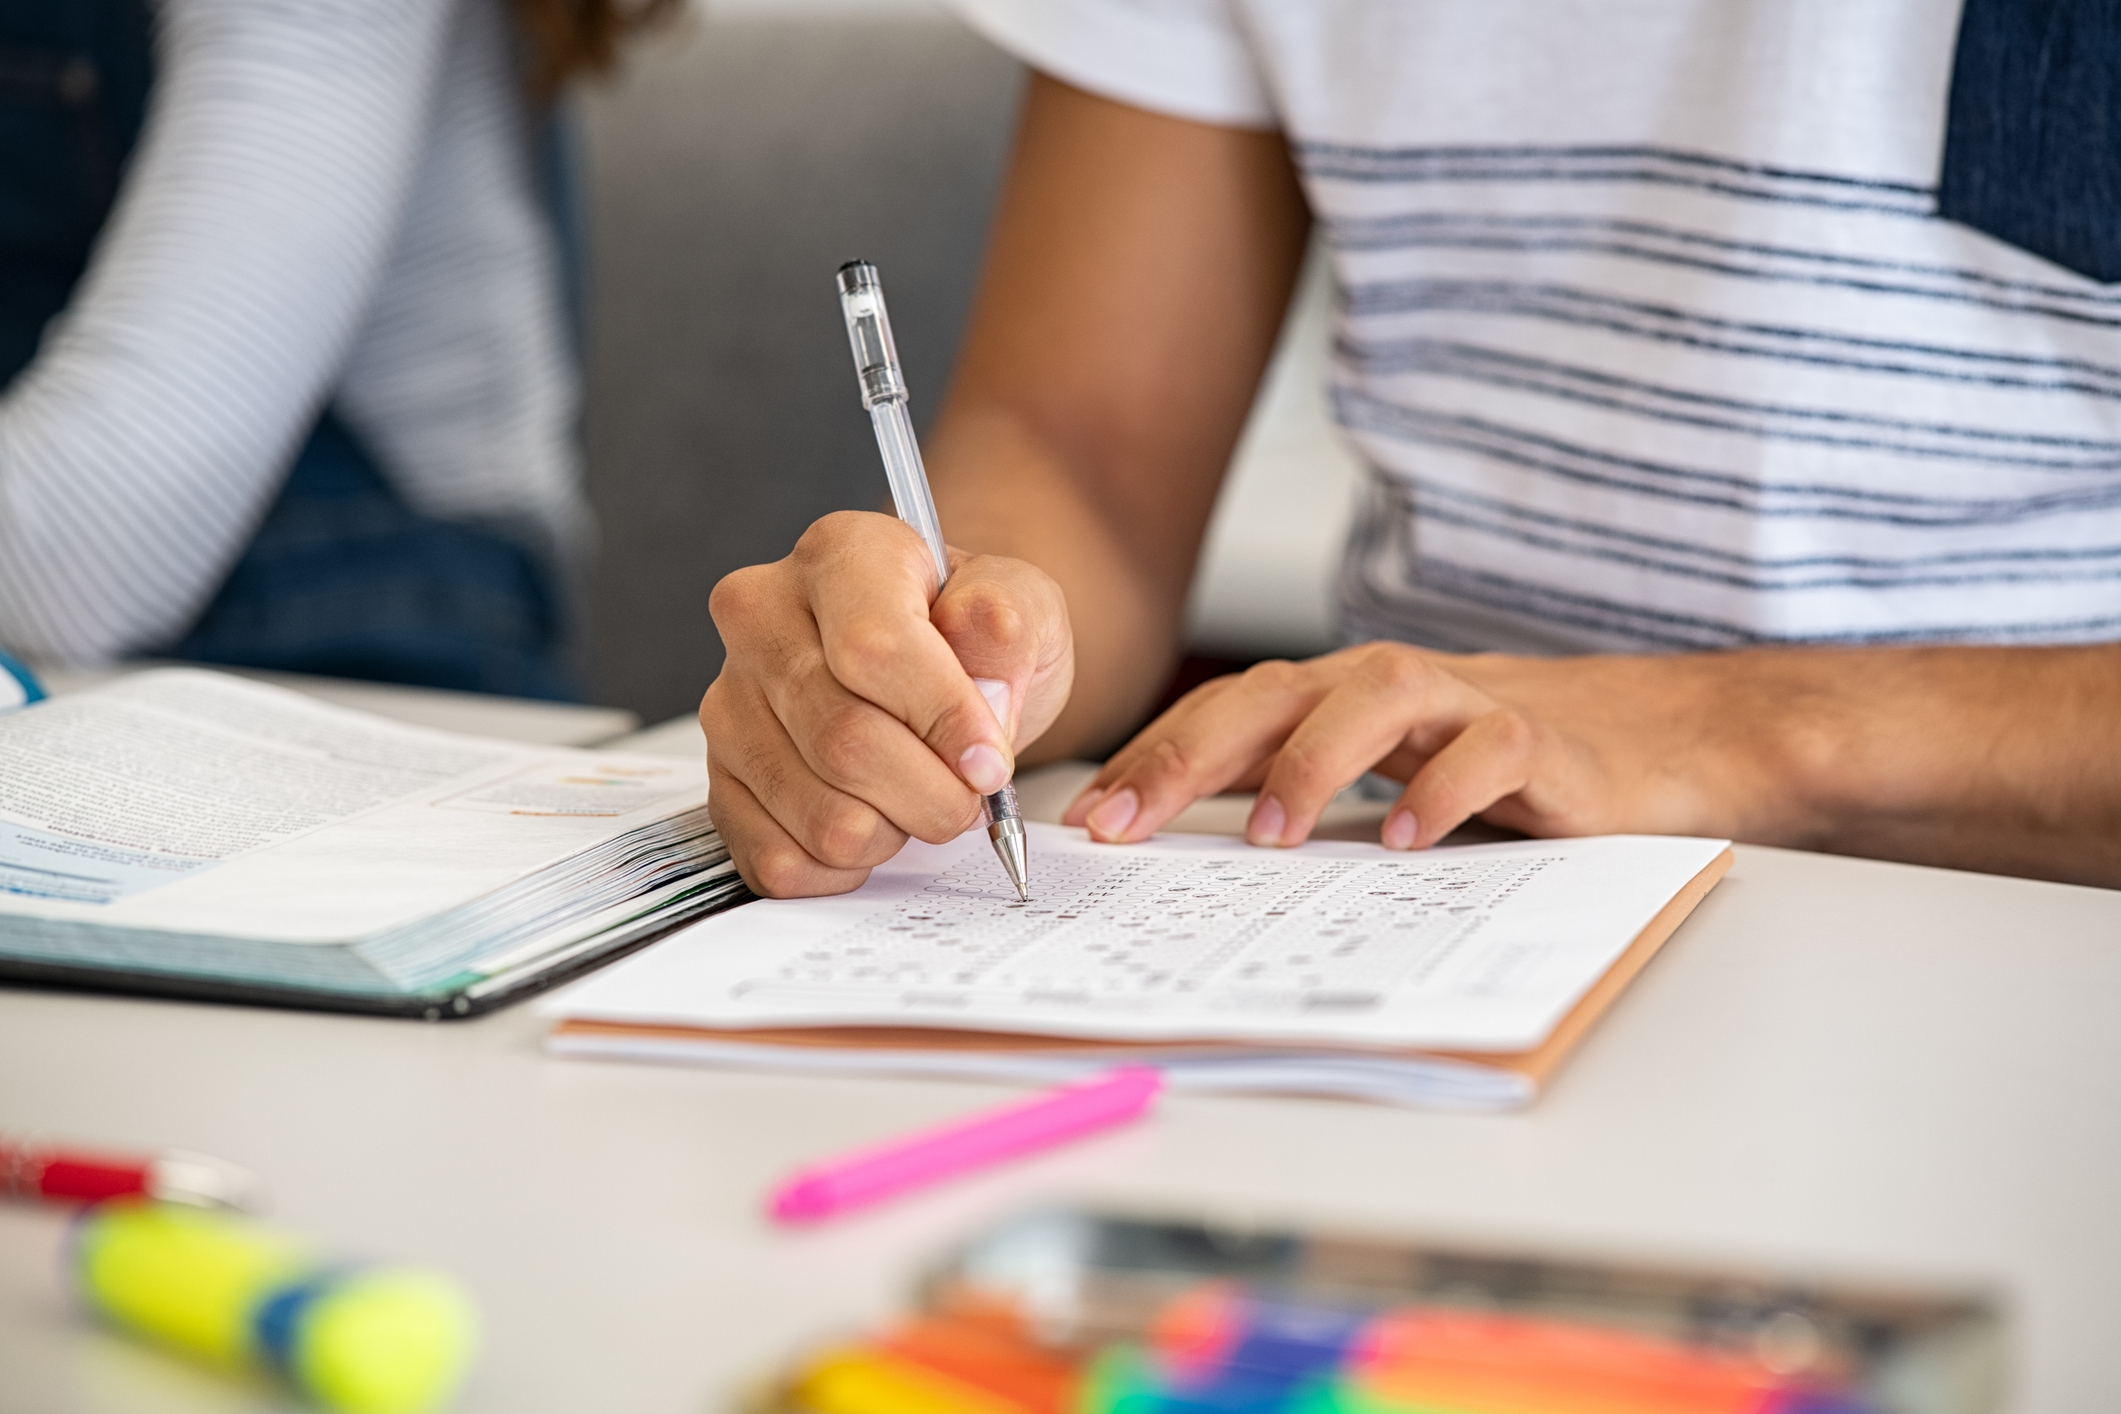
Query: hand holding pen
[[884, 395], [847, 715]]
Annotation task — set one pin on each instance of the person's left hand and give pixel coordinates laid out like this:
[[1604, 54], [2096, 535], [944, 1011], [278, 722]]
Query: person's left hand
[[1546, 746]]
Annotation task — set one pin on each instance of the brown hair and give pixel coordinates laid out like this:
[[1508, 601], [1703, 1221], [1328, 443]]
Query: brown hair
[[570, 38]]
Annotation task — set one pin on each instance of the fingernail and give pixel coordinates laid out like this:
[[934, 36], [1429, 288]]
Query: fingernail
[[997, 694], [1400, 830], [1267, 822], [1114, 813], [983, 769], [1080, 806]]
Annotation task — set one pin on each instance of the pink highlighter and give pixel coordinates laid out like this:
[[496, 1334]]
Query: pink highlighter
[[865, 1177]]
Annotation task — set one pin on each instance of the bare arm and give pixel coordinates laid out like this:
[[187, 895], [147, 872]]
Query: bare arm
[[1139, 271], [1120, 333], [1138, 275], [2001, 759]]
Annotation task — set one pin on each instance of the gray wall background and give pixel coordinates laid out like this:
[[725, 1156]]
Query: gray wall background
[[732, 168]]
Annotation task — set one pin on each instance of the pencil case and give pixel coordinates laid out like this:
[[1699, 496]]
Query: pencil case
[[1075, 1312]]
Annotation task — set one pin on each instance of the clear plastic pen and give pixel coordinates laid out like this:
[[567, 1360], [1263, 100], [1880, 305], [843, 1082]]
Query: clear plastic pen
[[884, 395]]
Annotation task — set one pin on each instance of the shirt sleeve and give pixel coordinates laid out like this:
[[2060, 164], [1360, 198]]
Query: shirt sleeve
[[142, 445], [1187, 58]]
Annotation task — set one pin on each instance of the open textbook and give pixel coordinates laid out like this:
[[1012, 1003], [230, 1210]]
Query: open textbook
[[1458, 976], [190, 833]]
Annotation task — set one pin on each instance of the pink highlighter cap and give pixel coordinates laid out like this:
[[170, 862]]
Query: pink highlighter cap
[[873, 1174], [802, 1199]]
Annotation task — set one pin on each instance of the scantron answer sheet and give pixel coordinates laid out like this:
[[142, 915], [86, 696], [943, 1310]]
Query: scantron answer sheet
[[1484, 947]]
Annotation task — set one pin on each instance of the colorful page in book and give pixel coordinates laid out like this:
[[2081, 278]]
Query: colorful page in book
[[1483, 948]]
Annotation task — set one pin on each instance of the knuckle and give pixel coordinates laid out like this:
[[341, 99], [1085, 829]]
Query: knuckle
[[844, 833], [1213, 688], [1397, 669], [1514, 732], [865, 650], [1166, 759], [829, 534], [780, 870], [1301, 765], [714, 709], [740, 595], [990, 614], [1275, 675], [727, 707], [842, 745]]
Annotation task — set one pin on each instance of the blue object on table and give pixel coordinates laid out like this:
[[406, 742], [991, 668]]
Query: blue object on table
[[1291, 1340], [18, 685]]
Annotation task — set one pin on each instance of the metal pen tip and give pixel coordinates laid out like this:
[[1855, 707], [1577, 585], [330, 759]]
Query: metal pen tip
[[1007, 835]]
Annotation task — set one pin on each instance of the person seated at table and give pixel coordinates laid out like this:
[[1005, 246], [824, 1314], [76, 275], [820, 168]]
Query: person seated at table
[[281, 303], [1740, 388]]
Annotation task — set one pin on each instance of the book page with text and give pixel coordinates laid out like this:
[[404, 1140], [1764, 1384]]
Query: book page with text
[[194, 801]]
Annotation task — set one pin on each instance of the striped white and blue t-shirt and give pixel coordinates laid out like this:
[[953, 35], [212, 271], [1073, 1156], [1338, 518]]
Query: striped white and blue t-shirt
[[1650, 330]]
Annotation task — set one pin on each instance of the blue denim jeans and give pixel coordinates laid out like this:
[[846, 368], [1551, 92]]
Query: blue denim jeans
[[342, 578]]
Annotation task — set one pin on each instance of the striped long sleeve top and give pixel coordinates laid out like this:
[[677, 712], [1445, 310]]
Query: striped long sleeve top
[[331, 202]]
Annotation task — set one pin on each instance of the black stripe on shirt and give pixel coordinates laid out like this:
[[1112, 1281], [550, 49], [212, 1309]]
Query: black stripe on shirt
[[1587, 309], [1495, 368], [1428, 512], [1552, 456], [1628, 251], [1390, 232], [1546, 604], [1676, 156], [1427, 498], [1647, 165]]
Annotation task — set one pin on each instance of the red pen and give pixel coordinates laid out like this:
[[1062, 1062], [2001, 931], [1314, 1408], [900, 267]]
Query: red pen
[[29, 1169]]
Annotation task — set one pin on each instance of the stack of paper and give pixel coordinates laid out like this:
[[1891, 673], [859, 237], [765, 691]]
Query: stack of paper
[[187, 832], [1456, 977]]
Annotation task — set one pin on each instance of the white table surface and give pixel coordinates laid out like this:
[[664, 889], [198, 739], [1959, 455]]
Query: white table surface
[[1835, 1065]]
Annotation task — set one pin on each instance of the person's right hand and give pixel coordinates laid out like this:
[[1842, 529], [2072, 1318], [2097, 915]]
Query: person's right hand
[[847, 715]]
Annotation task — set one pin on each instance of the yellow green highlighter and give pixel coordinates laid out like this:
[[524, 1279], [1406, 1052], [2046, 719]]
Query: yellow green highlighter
[[241, 1296]]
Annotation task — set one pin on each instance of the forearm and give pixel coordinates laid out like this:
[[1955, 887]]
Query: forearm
[[1138, 273], [1999, 759], [2003, 759], [1001, 490]]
